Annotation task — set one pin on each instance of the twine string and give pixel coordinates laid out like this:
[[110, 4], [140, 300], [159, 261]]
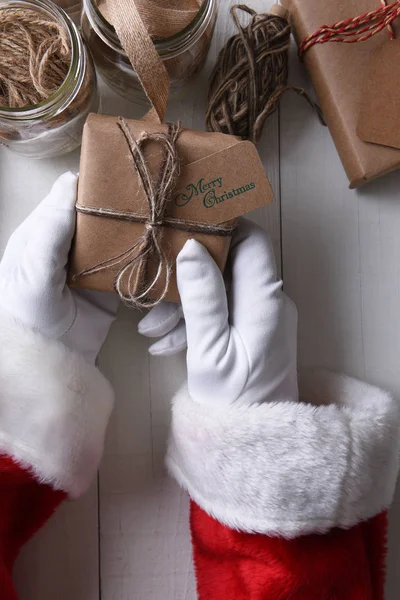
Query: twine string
[[250, 75], [132, 281], [355, 29], [390, 26], [35, 56]]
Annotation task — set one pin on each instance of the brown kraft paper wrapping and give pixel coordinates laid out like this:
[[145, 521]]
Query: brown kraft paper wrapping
[[221, 178], [338, 72]]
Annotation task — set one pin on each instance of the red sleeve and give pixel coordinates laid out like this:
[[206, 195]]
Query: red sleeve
[[54, 409], [289, 498], [340, 565]]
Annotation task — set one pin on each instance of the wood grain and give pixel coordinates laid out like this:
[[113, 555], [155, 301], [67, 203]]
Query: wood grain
[[62, 561], [145, 542], [340, 253], [340, 264]]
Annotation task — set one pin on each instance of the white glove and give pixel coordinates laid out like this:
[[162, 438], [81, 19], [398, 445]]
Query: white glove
[[33, 287], [241, 338]]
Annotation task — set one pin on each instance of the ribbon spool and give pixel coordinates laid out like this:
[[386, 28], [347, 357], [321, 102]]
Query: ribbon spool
[[136, 22]]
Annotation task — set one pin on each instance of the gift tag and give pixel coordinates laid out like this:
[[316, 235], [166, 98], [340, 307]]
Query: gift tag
[[379, 117], [222, 186]]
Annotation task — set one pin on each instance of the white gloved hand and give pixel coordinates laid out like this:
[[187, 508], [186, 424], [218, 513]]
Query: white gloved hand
[[33, 288], [242, 337]]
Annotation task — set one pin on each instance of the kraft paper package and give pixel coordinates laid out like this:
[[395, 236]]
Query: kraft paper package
[[340, 74], [220, 179]]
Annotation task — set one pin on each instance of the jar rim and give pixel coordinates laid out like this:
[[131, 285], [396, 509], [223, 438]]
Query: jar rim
[[168, 47], [64, 95]]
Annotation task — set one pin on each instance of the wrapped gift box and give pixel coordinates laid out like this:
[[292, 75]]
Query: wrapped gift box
[[338, 72], [220, 179]]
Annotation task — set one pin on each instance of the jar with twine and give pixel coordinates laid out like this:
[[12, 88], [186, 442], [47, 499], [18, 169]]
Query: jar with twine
[[47, 79], [150, 44]]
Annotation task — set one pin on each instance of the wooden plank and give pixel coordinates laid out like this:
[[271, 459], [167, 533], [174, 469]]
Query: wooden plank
[[393, 574], [24, 183], [62, 561], [143, 521], [340, 251], [145, 542]]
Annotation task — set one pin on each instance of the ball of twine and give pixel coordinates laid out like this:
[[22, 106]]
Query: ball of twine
[[251, 74], [35, 55]]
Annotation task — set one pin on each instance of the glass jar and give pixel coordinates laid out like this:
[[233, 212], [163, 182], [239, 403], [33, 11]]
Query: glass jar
[[54, 126], [72, 7], [183, 54]]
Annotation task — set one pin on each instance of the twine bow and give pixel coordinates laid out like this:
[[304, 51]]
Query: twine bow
[[132, 281]]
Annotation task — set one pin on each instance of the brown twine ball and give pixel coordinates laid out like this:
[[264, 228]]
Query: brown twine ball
[[250, 75], [35, 55]]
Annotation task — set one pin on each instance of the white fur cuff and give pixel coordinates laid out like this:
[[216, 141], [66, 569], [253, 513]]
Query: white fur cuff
[[289, 469], [54, 409]]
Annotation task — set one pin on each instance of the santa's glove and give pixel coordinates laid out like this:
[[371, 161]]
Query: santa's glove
[[240, 334], [54, 403], [33, 289], [256, 455]]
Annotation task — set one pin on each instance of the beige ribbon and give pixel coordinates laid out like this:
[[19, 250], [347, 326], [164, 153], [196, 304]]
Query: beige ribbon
[[136, 22], [165, 18]]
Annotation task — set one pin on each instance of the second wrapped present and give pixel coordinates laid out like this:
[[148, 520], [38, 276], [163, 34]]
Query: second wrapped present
[[340, 75]]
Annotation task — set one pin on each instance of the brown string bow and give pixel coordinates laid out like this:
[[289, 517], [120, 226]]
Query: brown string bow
[[133, 283]]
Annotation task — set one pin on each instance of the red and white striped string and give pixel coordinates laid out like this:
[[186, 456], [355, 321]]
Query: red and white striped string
[[390, 26], [356, 29]]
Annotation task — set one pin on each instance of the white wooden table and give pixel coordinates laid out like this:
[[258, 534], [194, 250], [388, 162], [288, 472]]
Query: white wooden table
[[339, 251]]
